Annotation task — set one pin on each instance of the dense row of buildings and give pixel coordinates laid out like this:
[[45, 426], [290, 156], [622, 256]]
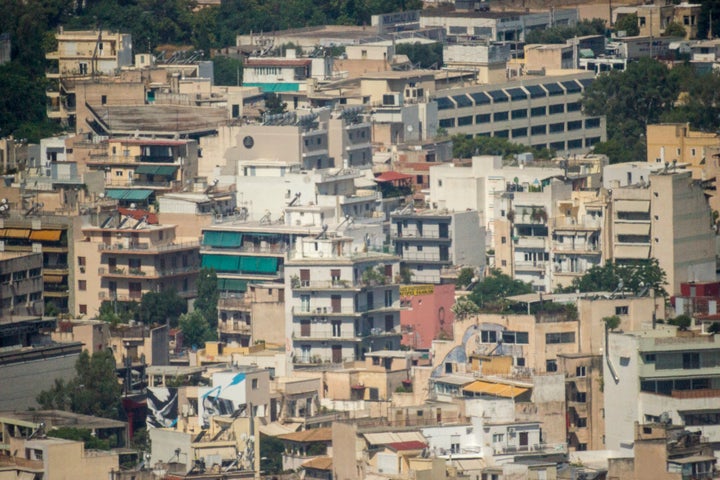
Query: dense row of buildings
[[338, 229]]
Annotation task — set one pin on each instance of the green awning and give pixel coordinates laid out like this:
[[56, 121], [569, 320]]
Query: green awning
[[221, 263], [259, 264], [232, 285], [129, 194], [166, 170], [222, 239]]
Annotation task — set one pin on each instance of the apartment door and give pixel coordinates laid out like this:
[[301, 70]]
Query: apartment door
[[335, 302], [444, 233], [305, 328], [337, 353], [523, 440], [304, 277]]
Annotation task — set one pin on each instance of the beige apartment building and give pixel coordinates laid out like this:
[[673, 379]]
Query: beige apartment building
[[667, 218], [123, 258], [83, 54], [676, 142]]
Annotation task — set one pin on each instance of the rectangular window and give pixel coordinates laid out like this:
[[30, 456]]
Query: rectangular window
[[502, 133], [464, 121], [557, 127], [551, 365], [580, 371], [574, 125], [482, 118], [488, 336], [573, 144], [691, 360], [447, 123], [592, 123], [538, 130], [561, 337], [82, 285], [500, 116], [538, 111], [621, 310], [589, 142], [557, 145], [581, 422], [337, 328], [254, 383], [83, 309], [581, 397], [519, 132], [574, 107], [557, 108], [521, 113]]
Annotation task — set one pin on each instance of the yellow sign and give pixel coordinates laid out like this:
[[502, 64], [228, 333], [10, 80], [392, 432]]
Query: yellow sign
[[410, 290]]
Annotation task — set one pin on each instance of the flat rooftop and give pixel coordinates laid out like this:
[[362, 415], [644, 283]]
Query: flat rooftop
[[60, 418], [160, 119]]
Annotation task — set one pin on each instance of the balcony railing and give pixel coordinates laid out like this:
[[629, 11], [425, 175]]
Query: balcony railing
[[329, 311], [534, 448], [146, 247]]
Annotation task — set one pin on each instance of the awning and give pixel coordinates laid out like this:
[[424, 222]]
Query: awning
[[52, 278], [632, 229], [46, 235], [166, 170], [495, 389], [214, 238], [632, 205], [16, 233], [392, 176], [221, 263], [258, 264], [232, 285], [129, 194]]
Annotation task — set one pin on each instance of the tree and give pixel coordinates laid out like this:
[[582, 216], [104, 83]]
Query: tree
[[274, 104], [683, 322], [84, 435], [93, 391], [492, 292], [628, 24], [207, 296], [465, 278], [227, 70], [612, 322], [626, 277], [630, 100], [426, 55], [163, 307], [196, 329], [464, 307], [561, 34], [464, 147], [674, 29]]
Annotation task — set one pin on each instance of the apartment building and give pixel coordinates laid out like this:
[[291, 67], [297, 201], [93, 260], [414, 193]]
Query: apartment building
[[584, 400], [262, 302], [538, 111], [132, 257], [82, 54], [429, 240], [489, 60], [666, 218], [653, 19], [52, 236], [21, 285], [340, 304], [678, 143], [133, 165], [660, 374]]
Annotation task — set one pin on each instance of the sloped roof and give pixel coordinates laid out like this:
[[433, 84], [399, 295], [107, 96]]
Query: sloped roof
[[386, 438], [411, 445], [319, 463], [495, 389], [310, 435], [392, 177]]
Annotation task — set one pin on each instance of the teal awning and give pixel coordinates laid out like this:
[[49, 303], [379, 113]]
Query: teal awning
[[232, 285], [259, 264], [222, 239], [275, 87], [129, 194], [165, 170], [221, 263]]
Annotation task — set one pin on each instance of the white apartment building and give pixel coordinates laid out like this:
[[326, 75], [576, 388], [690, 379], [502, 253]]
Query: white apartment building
[[661, 375], [430, 240], [340, 304]]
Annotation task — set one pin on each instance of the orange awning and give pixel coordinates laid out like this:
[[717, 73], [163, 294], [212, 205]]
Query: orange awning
[[16, 233], [495, 389], [52, 278], [46, 235]]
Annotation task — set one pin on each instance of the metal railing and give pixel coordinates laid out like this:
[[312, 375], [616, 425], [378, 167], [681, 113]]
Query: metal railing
[[146, 247]]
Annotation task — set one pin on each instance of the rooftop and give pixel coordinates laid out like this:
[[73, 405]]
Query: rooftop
[[59, 418], [159, 119], [311, 435]]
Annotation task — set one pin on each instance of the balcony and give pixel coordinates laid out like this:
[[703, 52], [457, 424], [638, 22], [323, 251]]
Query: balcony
[[530, 242], [306, 311], [535, 448], [279, 249], [136, 247], [417, 257], [241, 328], [586, 222], [431, 236], [531, 266], [305, 285], [149, 273]]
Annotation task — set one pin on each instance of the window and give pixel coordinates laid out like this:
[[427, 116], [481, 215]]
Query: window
[[551, 365], [581, 397], [592, 123], [557, 108], [520, 338], [254, 383], [82, 285], [573, 144], [581, 422], [103, 99], [538, 111], [521, 113], [519, 132], [642, 21], [464, 121], [500, 116], [621, 310], [502, 134], [538, 130], [83, 309], [488, 336], [337, 328], [691, 360], [574, 107], [581, 371], [650, 358], [447, 122], [482, 118], [520, 361], [563, 337], [498, 437], [503, 240], [557, 127], [574, 125]]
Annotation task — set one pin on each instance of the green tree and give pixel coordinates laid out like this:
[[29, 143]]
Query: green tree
[[274, 104], [207, 295], [491, 293], [82, 435], [630, 100], [683, 322], [93, 391], [464, 307], [196, 329], [227, 70], [628, 24], [465, 278], [163, 307], [674, 29], [630, 277], [612, 322], [561, 34], [466, 147], [426, 55], [271, 452]]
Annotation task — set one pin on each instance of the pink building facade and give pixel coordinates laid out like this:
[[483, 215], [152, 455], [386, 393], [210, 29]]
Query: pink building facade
[[427, 312]]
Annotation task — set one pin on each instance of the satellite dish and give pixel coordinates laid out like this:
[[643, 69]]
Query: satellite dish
[[133, 206], [102, 195], [410, 128]]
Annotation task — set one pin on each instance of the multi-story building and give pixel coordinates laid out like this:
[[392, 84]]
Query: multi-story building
[[538, 111], [132, 257], [676, 142], [660, 374], [83, 54], [430, 240], [52, 235], [263, 302], [666, 218], [21, 285], [653, 19], [340, 304], [136, 168], [584, 400]]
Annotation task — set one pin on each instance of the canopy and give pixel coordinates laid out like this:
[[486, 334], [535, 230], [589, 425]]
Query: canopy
[[166, 170], [495, 389], [129, 194], [214, 238], [46, 235]]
